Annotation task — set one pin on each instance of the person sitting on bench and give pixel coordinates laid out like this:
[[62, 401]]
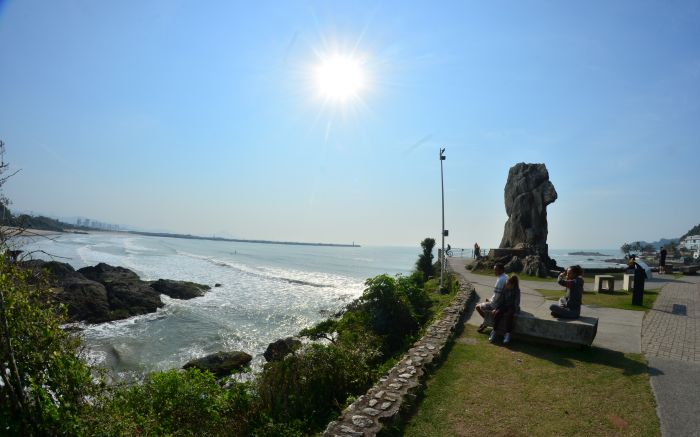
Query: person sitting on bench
[[492, 304], [569, 306], [508, 306]]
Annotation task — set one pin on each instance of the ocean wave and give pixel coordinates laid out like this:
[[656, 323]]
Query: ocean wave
[[245, 270]]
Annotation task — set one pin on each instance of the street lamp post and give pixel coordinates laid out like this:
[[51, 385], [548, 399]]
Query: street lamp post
[[444, 232]]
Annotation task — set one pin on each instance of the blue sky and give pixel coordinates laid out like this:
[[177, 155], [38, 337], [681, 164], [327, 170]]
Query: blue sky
[[205, 117]]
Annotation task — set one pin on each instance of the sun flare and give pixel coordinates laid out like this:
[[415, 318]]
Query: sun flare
[[340, 77]]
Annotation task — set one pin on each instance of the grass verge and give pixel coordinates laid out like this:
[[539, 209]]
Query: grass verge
[[530, 389], [617, 299]]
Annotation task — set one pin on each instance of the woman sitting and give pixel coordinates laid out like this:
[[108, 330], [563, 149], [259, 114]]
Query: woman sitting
[[506, 309], [570, 305]]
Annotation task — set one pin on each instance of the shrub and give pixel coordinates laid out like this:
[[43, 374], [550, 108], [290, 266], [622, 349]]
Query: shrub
[[309, 388], [178, 403], [44, 382]]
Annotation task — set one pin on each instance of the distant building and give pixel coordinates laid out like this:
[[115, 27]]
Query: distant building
[[691, 242]]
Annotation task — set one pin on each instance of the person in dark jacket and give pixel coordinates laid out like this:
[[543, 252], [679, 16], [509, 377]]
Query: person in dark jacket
[[506, 309], [569, 306], [662, 260], [639, 276]]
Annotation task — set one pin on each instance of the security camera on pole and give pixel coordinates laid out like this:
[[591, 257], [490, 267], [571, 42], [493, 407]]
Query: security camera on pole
[[444, 232]]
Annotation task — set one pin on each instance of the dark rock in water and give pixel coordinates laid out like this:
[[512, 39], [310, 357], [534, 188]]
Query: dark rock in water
[[221, 363], [514, 265], [179, 289], [85, 300], [217, 285], [276, 351], [104, 293], [105, 273], [132, 298], [128, 295], [527, 193]]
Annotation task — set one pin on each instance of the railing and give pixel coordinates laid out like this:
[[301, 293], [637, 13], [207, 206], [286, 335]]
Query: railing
[[459, 252]]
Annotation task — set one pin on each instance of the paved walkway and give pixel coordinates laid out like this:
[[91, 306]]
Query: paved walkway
[[671, 343]]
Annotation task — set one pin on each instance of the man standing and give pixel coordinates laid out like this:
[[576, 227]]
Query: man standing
[[477, 251], [639, 276], [662, 260], [492, 304]]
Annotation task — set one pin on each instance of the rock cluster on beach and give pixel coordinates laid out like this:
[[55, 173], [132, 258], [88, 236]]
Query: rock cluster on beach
[[104, 293]]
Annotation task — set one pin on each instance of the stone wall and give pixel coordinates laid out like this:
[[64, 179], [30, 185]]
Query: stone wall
[[387, 402]]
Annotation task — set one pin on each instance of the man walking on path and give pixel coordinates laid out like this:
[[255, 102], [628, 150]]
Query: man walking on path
[[492, 304]]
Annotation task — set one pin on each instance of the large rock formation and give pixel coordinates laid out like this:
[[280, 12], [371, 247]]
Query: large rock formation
[[528, 191], [103, 293]]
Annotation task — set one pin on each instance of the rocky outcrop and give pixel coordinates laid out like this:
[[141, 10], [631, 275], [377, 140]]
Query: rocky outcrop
[[277, 350], [514, 265], [103, 293], [179, 289], [527, 193], [221, 363]]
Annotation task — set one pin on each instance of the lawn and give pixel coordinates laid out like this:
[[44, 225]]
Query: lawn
[[617, 299], [529, 389]]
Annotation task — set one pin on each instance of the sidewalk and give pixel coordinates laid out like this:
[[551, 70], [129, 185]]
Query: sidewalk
[[671, 343]]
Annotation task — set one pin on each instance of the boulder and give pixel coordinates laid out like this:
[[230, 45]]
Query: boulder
[[527, 193], [132, 298], [179, 289], [221, 363], [84, 299], [514, 265], [105, 273], [277, 350], [534, 266]]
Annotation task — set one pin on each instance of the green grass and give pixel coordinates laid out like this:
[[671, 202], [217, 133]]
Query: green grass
[[618, 299], [530, 389]]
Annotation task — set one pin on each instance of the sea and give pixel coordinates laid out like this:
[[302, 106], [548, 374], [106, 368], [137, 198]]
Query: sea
[[267, 292]]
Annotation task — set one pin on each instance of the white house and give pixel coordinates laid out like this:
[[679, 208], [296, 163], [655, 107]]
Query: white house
[[691, 242]]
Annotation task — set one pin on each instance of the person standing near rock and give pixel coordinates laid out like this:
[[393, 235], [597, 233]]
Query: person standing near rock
[[490, 305], [477, 251], [569, 306], [662, 259]]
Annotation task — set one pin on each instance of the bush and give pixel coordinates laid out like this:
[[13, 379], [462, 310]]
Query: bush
[[45, 383], [309, 388], [178, 403]]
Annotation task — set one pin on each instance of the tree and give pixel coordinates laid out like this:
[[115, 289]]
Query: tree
[[625, 248], [425, 260]]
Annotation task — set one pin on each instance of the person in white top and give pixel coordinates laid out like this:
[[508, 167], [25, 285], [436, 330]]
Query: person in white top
[[490, 305]]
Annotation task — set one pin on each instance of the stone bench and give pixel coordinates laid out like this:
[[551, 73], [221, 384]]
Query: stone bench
[[689, 270], [627, 281], [543, 327], [609, 280]]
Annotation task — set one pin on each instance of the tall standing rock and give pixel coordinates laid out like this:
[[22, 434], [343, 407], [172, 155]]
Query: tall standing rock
[[528, 191]]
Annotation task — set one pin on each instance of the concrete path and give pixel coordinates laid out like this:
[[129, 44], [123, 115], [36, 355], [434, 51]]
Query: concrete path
[[671, 343], [618, 330]]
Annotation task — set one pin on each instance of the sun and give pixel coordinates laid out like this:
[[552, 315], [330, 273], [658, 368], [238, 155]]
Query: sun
[[340, 77]]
